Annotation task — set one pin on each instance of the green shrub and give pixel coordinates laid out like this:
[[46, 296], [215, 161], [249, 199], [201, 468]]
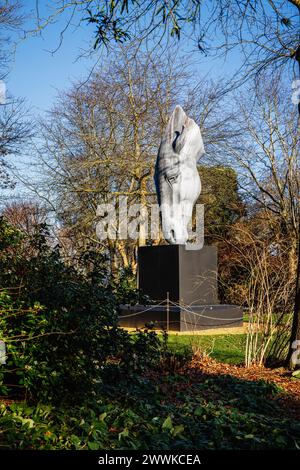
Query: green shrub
[[60, 323]]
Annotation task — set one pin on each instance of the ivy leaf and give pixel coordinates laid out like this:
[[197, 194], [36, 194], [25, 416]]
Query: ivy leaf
[[167, 424], [124, 433], [102, 416], [296, 374], [177, 430], [93, 445]]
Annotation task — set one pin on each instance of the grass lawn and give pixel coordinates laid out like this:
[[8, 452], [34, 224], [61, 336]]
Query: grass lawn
[[228, 348]]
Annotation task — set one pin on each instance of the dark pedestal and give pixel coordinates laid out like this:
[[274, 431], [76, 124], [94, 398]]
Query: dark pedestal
[[189, 279], [190, 276]]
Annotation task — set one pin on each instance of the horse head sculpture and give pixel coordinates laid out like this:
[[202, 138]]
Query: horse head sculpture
[[176, 176]]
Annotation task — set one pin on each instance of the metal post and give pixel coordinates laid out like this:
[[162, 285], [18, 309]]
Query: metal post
[[168, 312]]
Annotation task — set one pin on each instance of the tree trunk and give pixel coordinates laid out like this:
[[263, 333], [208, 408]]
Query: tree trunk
[[144, 214], [295, 333]]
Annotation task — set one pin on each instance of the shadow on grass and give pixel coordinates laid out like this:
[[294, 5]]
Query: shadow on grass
[[210, 411], [190, 409]]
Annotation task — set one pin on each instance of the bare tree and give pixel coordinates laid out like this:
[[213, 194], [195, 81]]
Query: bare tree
[[261, 281], [14, 129], [11, 19], [24, 215], [267, 158]]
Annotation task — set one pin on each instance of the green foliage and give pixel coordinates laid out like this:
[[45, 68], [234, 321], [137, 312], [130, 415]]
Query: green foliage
[[113, 21], [9, 236], [134, 358], [223, 205], [160, 413], [57, 325], [296, 374], [60, 323], [124, 288], [107, 28], [223, 208]]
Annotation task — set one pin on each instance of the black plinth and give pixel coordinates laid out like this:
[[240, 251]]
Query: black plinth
[[189, 279], [190, 276]]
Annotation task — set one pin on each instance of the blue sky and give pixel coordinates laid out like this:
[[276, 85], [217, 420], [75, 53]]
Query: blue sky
[[36, 74]]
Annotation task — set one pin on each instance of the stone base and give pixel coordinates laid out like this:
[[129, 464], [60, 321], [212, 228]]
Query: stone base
[[187, 276], [202, 317]]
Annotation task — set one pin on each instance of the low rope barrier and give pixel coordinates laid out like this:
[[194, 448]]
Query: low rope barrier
[[184, 307], [204, 316], [142, 311]]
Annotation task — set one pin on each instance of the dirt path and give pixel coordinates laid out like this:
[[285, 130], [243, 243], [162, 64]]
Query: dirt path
[[290, 396], [237, 330]]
